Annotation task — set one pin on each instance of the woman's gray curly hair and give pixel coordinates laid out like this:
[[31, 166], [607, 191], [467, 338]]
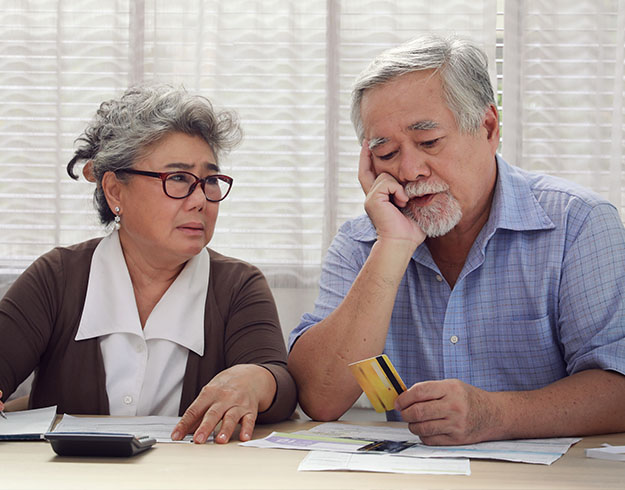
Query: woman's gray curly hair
[[124, 128]]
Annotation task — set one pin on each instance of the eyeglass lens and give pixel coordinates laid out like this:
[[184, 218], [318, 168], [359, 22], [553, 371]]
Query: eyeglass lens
[[179, 184]]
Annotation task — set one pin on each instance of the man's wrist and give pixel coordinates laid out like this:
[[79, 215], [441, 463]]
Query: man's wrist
[[405, 247]]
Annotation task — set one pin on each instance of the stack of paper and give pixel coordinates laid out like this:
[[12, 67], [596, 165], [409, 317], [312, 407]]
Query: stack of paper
[[157, 426], [613, 453], [27, 424], [341, 442], [383, 463], [537, 451]]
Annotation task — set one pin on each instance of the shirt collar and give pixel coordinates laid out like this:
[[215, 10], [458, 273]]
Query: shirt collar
[[515, 206], [110, 305]]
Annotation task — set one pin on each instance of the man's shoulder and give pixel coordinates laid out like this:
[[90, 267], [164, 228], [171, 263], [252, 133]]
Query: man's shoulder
[[360, 229], [561, 201], [546, 188]]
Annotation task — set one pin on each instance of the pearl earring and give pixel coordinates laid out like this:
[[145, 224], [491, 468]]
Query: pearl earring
[[117, 218]]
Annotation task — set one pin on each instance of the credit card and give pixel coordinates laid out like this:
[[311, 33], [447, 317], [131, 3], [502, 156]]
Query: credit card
[[379, 380], [387, 446]]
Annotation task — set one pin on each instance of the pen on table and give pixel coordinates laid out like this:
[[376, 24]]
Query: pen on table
[[2, 414]]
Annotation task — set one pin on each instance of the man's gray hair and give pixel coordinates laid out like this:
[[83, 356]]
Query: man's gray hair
[[461, 64], [124, 128]]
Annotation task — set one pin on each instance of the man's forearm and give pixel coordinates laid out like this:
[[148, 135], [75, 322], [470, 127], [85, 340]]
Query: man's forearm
[[585, 403], [355, 330]]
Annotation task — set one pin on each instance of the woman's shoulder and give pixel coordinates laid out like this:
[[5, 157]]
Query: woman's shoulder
[[233, 272], [60, 271], [221, 262], [77, 253], [78, 248]]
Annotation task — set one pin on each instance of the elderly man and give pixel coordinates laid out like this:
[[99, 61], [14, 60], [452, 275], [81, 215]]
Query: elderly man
[[497, 293]]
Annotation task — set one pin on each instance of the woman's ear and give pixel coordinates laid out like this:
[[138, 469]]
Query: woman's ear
[[112, 188]]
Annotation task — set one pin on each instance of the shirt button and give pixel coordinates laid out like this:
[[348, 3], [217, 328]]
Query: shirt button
[[127, 399], [454, 339], [439, 278]]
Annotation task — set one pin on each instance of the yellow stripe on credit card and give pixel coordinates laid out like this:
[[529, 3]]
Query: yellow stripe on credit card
[[379, 380]]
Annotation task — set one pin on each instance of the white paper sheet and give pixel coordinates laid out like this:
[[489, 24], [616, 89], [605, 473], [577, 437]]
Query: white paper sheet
[[383, 463], [27, 424], [158, 427], [536, 451], [371, 433], [307, 442], [340, 437], [606, 451]]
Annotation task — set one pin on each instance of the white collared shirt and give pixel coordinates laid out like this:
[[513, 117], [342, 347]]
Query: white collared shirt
[[144, 367]]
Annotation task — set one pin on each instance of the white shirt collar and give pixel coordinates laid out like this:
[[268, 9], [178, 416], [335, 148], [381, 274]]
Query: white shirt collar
[[110, 305]]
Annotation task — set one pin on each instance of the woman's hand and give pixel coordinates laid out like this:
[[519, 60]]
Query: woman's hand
[[234, 396]]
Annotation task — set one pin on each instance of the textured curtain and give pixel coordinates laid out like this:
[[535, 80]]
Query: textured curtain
[[563, 88], [285, 66]]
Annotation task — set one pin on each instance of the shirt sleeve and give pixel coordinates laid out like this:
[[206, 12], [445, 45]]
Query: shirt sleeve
[[592, 296], [254, 336], [27, 316], [344, 259]]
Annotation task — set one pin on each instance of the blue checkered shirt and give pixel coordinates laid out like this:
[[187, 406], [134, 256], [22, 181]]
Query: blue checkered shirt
[[541, 294]]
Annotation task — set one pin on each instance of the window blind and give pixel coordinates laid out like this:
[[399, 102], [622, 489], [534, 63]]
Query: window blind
[[287, 68], [564, 87]]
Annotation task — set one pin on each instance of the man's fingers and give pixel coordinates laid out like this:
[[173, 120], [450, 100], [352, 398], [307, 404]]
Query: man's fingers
[[423, 411], [420, 392], [366, 173]]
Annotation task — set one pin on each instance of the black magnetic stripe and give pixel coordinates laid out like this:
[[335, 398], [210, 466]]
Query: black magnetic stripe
[[389, 374]]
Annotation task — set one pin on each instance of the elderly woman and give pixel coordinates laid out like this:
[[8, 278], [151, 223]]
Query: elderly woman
[[148, 321]]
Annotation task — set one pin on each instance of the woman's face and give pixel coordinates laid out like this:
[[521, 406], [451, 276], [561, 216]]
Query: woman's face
[[165, 230]]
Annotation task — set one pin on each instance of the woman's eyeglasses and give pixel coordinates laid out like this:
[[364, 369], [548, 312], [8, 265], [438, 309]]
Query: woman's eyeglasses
[[181, 184]]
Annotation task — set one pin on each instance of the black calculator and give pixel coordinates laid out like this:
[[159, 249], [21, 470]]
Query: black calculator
[[98, 444]]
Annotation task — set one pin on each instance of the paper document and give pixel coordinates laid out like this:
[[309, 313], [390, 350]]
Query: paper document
[[341, 437], [307, 442], [371, 433], [612, 453], [27, 424], [158, 427], [537, 451], [382, 463]]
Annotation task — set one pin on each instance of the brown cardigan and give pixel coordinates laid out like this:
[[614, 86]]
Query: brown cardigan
[[40, 314]]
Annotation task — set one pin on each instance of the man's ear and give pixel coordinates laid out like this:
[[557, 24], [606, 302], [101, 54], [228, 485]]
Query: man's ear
[[491, 124], [112, 188]]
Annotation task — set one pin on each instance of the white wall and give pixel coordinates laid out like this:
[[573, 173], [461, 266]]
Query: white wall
[[292, 303]]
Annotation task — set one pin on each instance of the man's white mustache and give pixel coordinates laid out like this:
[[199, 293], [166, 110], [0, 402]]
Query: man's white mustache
[[418, 189]]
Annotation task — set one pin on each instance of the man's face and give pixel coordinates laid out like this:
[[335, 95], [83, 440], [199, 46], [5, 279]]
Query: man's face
[[448, 175]]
